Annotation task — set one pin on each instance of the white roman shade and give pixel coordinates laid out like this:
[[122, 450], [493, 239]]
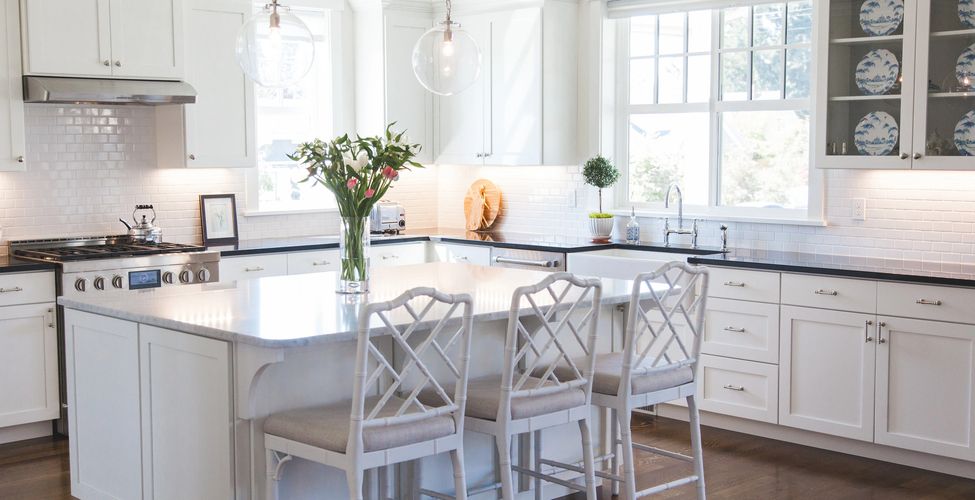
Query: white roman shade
[[618, 9]]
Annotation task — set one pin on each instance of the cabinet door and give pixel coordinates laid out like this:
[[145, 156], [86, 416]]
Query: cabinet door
[[462, 124], [102, 370], [826, 371], [147, 39], [12, 145], [220, 126], [515, 99], [856, 128], [944, 110], [407, 102], [186, 415], [67, 37], [925, 387], [28, 364]]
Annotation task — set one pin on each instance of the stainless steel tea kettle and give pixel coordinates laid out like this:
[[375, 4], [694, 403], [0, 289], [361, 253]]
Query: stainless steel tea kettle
[[144, 230]]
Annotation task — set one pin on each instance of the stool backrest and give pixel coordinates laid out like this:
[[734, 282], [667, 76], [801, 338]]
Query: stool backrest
[[664, 329], [551, 323], [432, 332]]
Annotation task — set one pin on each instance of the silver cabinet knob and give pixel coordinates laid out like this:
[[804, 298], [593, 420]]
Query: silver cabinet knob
[[904, 156], [192, 157], [118, 64], [21, 159], [203, 275], [917, 156], [106, 62]]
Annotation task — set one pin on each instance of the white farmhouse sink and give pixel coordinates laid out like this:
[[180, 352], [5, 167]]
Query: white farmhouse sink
[[620, 263]]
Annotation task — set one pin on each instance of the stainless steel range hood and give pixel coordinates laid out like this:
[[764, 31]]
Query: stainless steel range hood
[[44, 89]]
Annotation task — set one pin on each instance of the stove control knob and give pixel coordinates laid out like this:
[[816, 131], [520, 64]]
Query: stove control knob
[[204, 275], [81, 284], [168, 277], [117, 282], [99, 283], [185, 277]]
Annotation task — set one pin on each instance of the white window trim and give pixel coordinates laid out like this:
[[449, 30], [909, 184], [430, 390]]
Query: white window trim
[[813, 215], [341, 94]]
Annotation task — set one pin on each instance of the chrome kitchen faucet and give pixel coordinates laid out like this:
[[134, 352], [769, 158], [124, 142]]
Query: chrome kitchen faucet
[[680, 218]]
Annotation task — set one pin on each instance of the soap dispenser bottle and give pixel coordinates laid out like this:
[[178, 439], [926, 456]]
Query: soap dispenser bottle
[[633, 228]]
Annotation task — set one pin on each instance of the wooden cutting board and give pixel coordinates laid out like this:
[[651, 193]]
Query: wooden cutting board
[[482, 204]]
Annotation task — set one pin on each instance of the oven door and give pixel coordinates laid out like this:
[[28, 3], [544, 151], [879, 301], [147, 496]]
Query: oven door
[[528, 259]]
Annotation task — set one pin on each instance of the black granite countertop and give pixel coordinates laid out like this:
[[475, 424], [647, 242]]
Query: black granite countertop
[[12, 265], [935, 273]]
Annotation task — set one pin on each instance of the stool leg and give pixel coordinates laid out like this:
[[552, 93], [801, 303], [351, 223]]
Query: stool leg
[[354, 478], [629, 473], [696, 444], [272, 480], [614, 448], [537, 445], [590, 462], [504, 466], [460, 481]]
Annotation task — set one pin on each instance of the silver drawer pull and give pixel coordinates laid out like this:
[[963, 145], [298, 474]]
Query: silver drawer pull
[[253, 269], [733, 329], [834, 293], [926, 302], [321, 263], [526, 262], [11, 290], [387, 257], [738, 284], [734, 388]]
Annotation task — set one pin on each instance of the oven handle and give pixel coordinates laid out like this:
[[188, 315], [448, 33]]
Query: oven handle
[[526, 262]]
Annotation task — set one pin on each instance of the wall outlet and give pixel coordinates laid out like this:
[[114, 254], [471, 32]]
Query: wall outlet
[[859, 209]]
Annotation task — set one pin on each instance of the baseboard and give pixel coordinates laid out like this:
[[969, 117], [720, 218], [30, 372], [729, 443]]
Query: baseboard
[[883, 453], [25, 431]]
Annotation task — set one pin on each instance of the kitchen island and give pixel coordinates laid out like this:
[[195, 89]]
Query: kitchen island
[[168, 390]]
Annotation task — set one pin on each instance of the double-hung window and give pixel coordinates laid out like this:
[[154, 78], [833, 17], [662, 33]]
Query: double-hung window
[[718, 101]]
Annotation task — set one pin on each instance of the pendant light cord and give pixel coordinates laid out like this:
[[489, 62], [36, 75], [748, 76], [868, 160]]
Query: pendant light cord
[[449, 5]]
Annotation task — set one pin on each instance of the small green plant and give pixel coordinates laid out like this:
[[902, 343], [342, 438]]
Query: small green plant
[[600, 173]]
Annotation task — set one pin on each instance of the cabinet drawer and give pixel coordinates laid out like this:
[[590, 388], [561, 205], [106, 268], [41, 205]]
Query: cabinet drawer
[[402, 254], [826, 292], [758, 286], [253, 266], [468, 254], [313, 262], [739, 388], [744, 330], [939, 303], [27, 288]]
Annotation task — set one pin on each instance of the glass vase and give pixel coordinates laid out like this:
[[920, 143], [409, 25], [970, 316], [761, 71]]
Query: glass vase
[[353, 277]]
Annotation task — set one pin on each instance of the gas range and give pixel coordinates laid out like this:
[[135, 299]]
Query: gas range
[[114, 264]]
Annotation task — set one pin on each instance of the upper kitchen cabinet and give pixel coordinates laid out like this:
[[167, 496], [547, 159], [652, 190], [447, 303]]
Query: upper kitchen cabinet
[[12, 145], [522, 109], [406, 101], [900, 90], [103, 38]]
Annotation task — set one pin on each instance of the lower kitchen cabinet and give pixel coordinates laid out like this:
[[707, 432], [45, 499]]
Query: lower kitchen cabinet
[[925, 396], [253, 266], [318, 261], [467, 254], [745, 389], [826, 371], [28, 364], [401, 254]]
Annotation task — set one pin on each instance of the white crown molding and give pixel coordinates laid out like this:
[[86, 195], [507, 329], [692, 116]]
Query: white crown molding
[[417, 6]]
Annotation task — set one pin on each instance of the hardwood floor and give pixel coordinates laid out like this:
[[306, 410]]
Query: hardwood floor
[[737, 466]]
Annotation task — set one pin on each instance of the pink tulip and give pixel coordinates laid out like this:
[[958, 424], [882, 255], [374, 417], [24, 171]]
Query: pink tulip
[[390, 173], [370, 192], [352, 183]]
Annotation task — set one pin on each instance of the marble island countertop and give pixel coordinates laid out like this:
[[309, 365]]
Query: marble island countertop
[[300, 310]]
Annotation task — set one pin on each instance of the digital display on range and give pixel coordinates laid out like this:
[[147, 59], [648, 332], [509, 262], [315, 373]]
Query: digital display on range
[[144, 279]]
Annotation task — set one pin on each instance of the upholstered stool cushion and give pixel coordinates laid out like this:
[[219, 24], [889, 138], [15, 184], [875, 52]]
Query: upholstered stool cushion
[[609, 368], [484, 396], [328, 427]]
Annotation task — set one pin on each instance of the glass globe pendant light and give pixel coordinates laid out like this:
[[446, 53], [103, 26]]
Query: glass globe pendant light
[[446, 59], [274, 47]]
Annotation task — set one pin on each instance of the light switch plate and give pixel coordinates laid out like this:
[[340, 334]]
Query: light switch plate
[[859, 209]]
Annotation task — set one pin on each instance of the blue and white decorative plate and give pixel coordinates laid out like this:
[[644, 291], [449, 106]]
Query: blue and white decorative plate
[[965, 134], [877, 72], [876, 134], [965, 69], [966, 12], [881, 17]]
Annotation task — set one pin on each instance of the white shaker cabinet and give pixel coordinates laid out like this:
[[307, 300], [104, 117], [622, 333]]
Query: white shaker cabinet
[[463, 119], [13, 147], [104, 38], [28, 364], [218, 130], [315, 261], [925, 396], [407, 103]]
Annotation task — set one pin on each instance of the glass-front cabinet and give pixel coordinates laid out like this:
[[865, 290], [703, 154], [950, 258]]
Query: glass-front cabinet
[[900, 86]]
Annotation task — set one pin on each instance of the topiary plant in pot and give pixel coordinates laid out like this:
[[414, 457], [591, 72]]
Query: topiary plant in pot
[[600, 173]]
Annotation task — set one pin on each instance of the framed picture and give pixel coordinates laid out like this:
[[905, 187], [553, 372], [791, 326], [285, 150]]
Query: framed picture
[[218, 215]]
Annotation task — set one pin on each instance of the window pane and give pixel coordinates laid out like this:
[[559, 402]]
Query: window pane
[[671, 80], [797, 73], [767, 74], [668, 148], [286, 117], [734, 28], [765, 159], [672, 34], [641, 81], [698, 78], [643, 36], [800, 23], [699, 31], [768, 24], [734, 76]]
